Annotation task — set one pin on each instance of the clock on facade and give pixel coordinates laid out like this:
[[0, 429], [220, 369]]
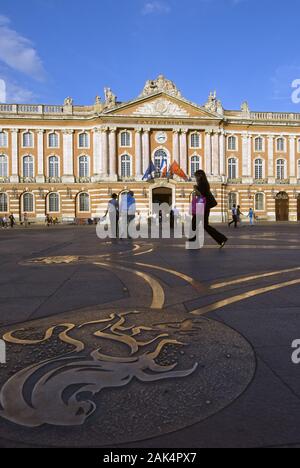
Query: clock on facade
[[161, 137]]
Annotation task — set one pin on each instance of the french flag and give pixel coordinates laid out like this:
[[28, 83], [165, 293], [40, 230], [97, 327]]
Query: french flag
[[164, 168]]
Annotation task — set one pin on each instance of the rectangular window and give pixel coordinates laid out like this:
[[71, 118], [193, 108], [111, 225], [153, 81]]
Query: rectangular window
[[3, 140], [28, 140]]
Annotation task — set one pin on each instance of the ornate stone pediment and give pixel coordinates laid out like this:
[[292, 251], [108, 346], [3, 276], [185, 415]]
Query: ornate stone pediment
[[160, 108]]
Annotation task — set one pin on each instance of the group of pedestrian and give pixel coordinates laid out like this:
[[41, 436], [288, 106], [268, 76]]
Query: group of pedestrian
[[50, 221], [123, 210], [7, 221], [237, 216]]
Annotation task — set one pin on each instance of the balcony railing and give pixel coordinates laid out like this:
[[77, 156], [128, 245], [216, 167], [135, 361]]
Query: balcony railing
[[32, 109], [282, 181], [235, 181], [276, 116]]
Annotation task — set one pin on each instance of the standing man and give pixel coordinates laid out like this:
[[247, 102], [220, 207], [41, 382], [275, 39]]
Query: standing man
[[12, 220], [131, 209], [251, 216], [234, 221], [113, 212]]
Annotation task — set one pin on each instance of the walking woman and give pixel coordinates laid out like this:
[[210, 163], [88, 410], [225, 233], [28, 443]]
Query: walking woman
[[202, 189]]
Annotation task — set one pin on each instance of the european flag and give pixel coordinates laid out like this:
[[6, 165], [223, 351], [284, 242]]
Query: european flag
[[149, 174]]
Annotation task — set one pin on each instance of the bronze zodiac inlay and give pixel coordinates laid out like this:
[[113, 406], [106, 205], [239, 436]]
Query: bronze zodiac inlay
[[61, 388]]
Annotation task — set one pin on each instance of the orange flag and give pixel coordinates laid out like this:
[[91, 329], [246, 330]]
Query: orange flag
[[175, 169]]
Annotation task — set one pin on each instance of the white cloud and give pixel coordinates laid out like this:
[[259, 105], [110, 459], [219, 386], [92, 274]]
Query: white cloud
[[282, 81], [18, 52], [16, 94], [157, 7], [2, 91]]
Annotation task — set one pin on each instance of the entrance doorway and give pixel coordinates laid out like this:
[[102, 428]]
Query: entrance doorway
[[282, 207], [164, 195], [298, 208]]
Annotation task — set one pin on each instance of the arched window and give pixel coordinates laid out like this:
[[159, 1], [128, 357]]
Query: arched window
[[3, 203], [27, 140], [159, 157], [126, 139], [232, 143], [232, 168], [53, 140], [232, 200], [84, 166], [3, 140], [28, 203], [280, 144], [195, 140], [84, 141], [53, 200], [125, 165], [53, 166], [259, 144], [195, 165], [3, 166], [84, 202], [280, 169], [258, 169], [28, 166], [259, 202]]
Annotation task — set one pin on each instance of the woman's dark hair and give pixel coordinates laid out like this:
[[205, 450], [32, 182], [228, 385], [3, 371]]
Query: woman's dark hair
[[114, 196], [203, 183]]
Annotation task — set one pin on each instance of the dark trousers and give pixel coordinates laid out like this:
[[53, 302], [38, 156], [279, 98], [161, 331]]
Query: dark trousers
[[114, 223], [235, 221], [216, 235]]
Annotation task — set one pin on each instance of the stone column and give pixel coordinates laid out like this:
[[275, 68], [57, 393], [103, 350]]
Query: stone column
[[183, 150], [245, 156], [104, 152], [208, 153], [96, 176], [113, 154], [175, 145], [215, 155], [249, 169], [68, 166], [146, 149], [293, 176], [14, 178], [222, 154], [270, 169], [40, 149], [138, 153]]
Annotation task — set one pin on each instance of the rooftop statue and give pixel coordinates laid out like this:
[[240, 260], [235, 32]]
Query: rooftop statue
[[245, 108], [160, 84], [68, 101], [213, 104], [110, 98]]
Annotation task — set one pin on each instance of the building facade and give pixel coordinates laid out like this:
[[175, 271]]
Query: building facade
[[67, 160]]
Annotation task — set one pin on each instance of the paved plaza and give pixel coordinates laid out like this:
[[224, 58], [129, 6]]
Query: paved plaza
[[145, 344]]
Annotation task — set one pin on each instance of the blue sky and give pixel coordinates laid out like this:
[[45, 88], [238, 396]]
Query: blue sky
[[245, 49]]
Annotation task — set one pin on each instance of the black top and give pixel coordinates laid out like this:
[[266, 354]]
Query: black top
[[210, 199]]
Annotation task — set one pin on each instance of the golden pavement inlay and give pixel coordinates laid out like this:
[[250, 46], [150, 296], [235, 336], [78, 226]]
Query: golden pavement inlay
[[47, 380], [253, 277], [242, 297], [158, 295], [196, 285]]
